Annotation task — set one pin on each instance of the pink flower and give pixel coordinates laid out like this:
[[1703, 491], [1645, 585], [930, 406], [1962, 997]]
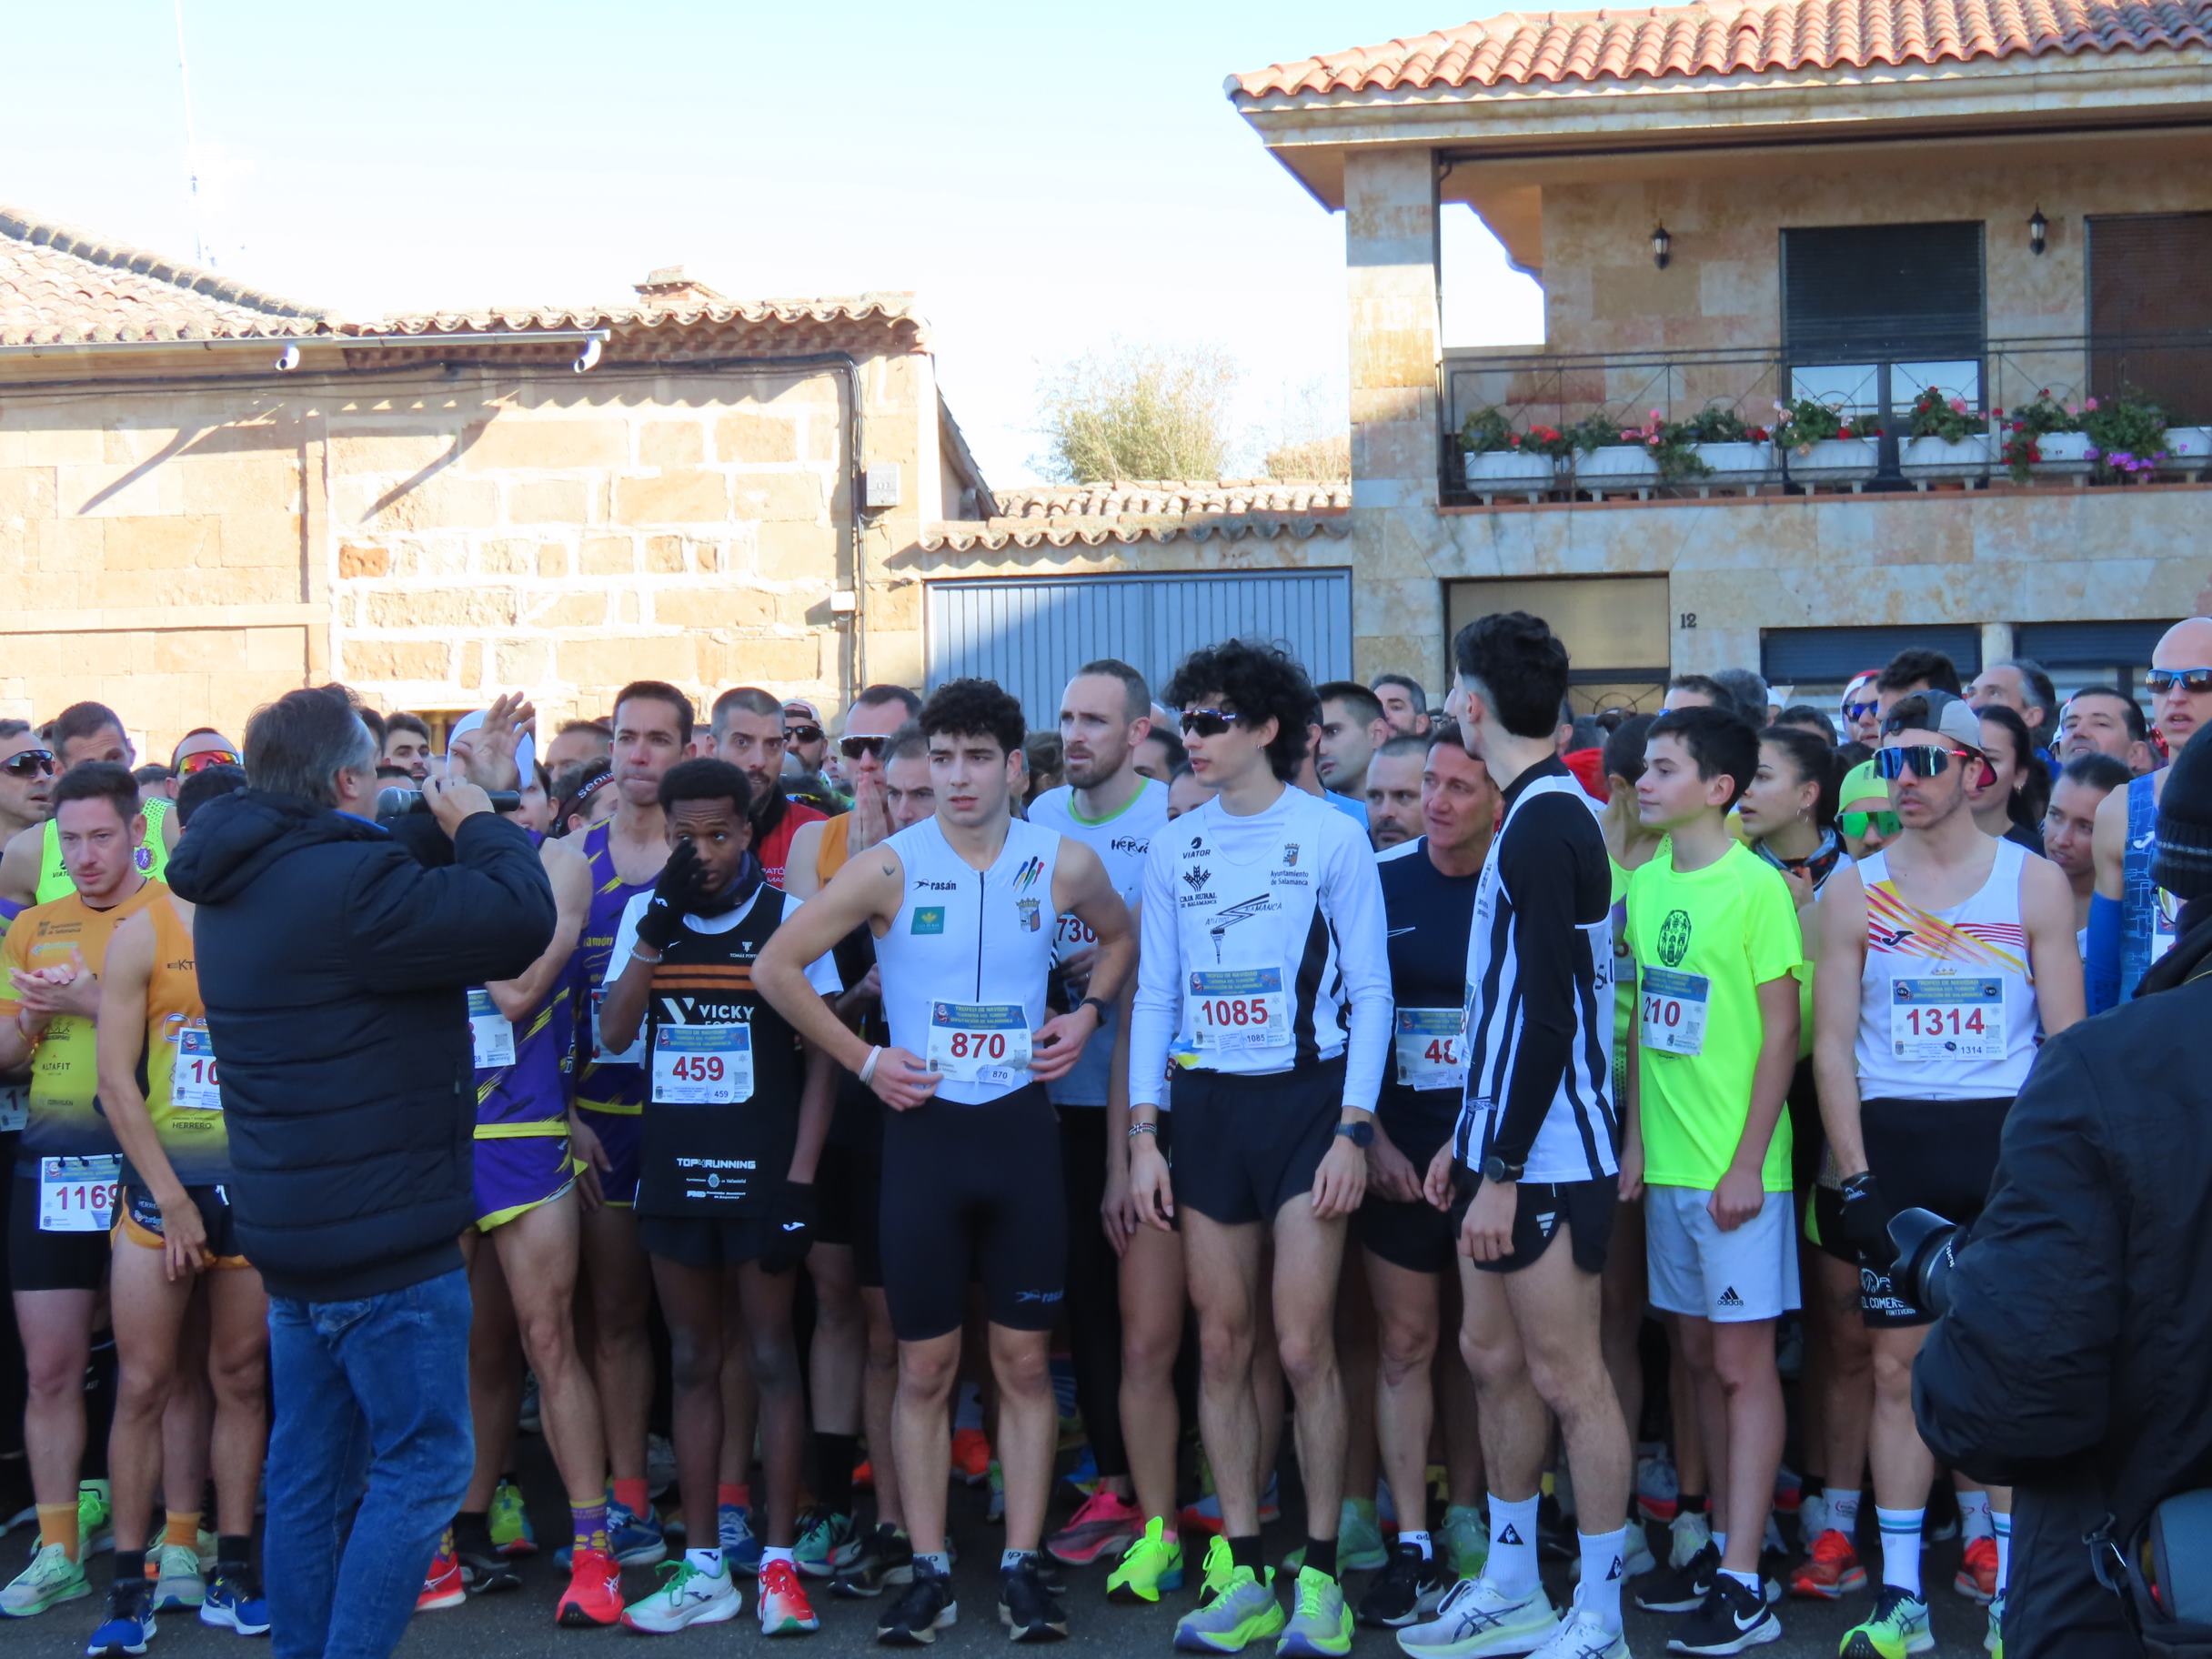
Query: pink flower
[[2089, 406], [2072, 407], [1958, 406]]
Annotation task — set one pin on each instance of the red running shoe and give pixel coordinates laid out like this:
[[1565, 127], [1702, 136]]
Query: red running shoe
[[594, 1597], [1831, 1571], [443, 1586], [1978, 1573], [970, 1457]]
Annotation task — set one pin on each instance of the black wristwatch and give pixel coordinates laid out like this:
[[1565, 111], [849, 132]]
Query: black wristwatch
[[1361, 1133], [1496, 1169], [1105, 1012]]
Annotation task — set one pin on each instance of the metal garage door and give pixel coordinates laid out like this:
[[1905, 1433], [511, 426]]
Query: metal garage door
[[1031, 634], [1827, 657]]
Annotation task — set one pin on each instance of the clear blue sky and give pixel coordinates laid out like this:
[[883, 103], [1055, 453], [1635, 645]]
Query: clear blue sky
[[1044, 177]]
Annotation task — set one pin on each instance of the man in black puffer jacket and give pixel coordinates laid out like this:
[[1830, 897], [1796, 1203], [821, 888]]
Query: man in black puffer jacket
[[334, 958], [2071, 1365]]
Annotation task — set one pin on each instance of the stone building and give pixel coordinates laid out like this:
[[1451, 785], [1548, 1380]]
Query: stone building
[[1732, 205]]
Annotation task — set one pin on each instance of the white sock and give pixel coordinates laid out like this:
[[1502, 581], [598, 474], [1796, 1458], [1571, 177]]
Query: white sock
[[1900, 1547], [1750, 1581], [709, 1561], [1604, 1571], [1428, 1551], [1844, 1511], [2003, 1524], [1973, 1514], [785, 1556], [1011, 1558], [1512, 1545]]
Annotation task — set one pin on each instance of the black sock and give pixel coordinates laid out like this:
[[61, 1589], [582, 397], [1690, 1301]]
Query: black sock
[[1811, 1486], [1692, 1503], [234, 1553], [472, 1533], [1245, 1553], [833, 1455], [1321, 1555], [130, 1567]]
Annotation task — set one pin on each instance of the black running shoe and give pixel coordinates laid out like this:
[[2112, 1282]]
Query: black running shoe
[[1409, 1585], [1734, 1617], [887, 1560], [916, 1617], [1682, 1589], [1026, 1606], [487, 1573]]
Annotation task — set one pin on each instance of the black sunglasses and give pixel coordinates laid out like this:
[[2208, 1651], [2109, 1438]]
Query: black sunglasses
[[30, 760], [1859, 711], [2195, 682], [1208, 722], [803, 734], [852, 748]]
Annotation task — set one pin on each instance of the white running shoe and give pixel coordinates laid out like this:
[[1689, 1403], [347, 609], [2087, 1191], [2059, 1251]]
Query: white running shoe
[[1477, 1619], [1583, 1636], [686, 1597]]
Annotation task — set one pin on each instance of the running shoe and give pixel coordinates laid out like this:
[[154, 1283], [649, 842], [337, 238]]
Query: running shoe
[[994, 1511], [636, 1540], [594, 1597], [1992, 1642], [94, 1515], [1084, 1476], [970, 1457], [235, 1602], [1478, 1619], [742, 1547], [207, 1547], [51, 1579], [443, 1585], [1359, 1541], [530, 1419], [1658, 1487], [1899, 1627], [660, 1464], [1153, 1562], [1320, 1625], [129, 1624], [1105, 1522], [1687, 1534], [927, 1607], [1831, 1571], [1734, 1617], [1026, 1606], [1467, 1540], [784, 1609], [1205, 1515], [1789, 1490], [828, 1542], [1977, 1572], [1582, 1635], [886, 1560], [864, 1475], [1813, 1516], [684, 1597], [1412, 1584], [1235, 1608], [511, 1533], [178, 1583], [1683, 1589], [487, 1574]]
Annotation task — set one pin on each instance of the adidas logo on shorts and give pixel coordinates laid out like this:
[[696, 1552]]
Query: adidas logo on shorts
[[1729, 1299]]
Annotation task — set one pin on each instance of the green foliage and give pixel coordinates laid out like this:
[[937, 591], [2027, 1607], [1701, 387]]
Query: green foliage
[[1138, 412]]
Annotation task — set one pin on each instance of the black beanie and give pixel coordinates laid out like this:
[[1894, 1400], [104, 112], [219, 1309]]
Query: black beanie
[[2182, 864]]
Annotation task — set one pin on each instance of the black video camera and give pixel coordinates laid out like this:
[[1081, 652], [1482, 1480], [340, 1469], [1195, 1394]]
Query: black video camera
[[1927, 1250]]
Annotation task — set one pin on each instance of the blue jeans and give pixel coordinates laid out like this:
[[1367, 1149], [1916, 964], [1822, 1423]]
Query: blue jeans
[[378, 1385]]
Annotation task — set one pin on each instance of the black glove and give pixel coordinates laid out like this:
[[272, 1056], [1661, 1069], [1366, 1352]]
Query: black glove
[[672, 894], [790, 1228], [1865, 1219]]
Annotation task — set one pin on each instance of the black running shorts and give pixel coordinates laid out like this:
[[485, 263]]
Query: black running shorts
[[1417, 1237], [40, 1261], [704, 1240], [1936, 1155], [1246, 1146], [1585, 1207], [973, 1192]]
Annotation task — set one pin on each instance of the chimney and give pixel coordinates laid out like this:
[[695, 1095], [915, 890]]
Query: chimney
[[670, 286]]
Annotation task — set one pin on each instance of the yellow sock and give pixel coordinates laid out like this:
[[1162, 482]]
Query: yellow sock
[[183, 1527], [57, 1524]]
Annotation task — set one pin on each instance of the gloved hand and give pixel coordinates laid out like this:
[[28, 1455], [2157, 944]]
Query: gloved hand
[[790, 1228], [1866, 1218], [672, 895]]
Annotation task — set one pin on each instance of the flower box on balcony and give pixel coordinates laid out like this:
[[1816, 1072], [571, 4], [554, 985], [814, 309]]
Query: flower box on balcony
[[1508, 472], [1617, 467], [1835, 460], [2062, 454], [2188, 451], [1735, 466], [1937, 460]]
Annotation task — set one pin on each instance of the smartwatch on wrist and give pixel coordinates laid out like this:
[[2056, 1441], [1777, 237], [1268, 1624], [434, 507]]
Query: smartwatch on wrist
[[1496, 1169], [1105, 1013], [1360, 1131]]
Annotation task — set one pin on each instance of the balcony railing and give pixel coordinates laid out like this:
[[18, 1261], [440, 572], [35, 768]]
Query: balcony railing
[[1868, 384]]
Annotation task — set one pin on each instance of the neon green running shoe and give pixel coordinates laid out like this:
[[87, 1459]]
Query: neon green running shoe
[[1322, 1626], [1151, 1562], [1899, 1627], [1235, 1609], [1359, 1541], [1466, 1540], [509, 1522], [95, 1535], [1994, 1642], [51, 1579]]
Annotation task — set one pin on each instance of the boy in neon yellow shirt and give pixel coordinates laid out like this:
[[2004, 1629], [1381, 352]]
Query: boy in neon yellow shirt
[[1713, 933]]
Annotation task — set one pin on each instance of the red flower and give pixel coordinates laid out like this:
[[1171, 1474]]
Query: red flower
[[2019, 425], [1843, 432]]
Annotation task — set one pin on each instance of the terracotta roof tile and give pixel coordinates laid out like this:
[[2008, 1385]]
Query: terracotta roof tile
[[59, 285], [1729, 37], [686, 313], [1123, 513]]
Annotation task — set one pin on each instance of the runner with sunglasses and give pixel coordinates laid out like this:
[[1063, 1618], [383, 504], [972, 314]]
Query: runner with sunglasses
[[1265, 979], [1861, 709], [1862, 817], [32, 869], [2131, 919], [27, 769], [1943, 959], [804, 740]]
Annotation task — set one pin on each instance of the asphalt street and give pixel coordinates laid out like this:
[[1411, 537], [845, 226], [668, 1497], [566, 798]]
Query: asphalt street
[[521, 1624]]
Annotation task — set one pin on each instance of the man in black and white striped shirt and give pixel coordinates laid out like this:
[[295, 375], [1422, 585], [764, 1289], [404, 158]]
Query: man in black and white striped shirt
[[1534, 1162]]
